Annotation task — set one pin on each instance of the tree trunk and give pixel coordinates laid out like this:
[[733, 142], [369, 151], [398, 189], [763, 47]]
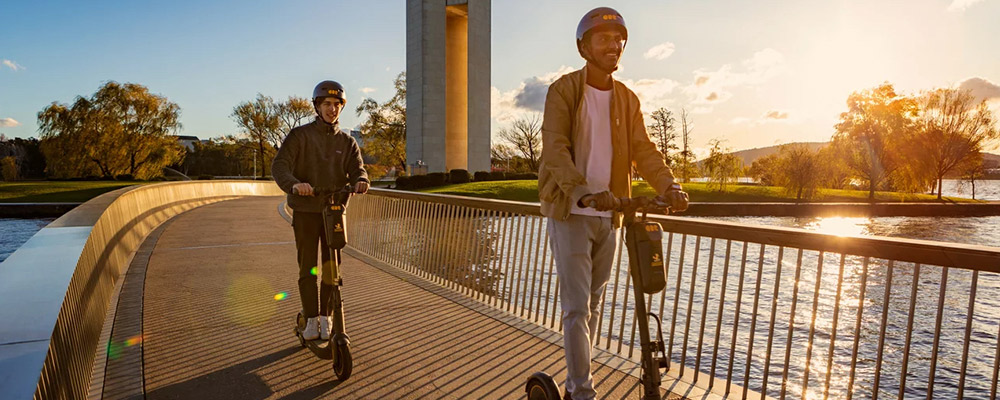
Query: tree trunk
[[871, 190], [260, 144], [940, 182]]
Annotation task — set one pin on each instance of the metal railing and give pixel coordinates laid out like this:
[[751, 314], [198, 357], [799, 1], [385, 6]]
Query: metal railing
[[748, 310]]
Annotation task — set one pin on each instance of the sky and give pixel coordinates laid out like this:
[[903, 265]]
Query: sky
[[750, 73]]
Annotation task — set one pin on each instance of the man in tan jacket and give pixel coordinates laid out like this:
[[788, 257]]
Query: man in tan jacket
[[592, 134]]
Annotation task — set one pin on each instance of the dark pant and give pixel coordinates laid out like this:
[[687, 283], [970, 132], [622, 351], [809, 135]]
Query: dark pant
[[309, 234]]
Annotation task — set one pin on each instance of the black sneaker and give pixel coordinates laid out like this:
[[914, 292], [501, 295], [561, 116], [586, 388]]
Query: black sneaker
[[567, 396]]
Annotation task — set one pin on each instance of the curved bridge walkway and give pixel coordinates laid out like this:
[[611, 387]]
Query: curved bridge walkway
[[198, 317]]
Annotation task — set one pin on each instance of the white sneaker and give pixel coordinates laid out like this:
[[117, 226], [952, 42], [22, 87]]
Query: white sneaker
[[325, 326], [312, 329]]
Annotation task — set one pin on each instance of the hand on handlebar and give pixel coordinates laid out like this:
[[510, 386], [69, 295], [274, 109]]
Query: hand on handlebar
[[603, 201], [677, 199], [361, 187], [302, 189]]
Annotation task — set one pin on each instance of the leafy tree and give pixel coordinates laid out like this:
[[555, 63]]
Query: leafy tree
[[27, 153], [524, 136], [9, 170], [721, 167], [766, 170], [953, 130], [385, 128], [121, 129], [872, 133], [226, 156], [663, 132]]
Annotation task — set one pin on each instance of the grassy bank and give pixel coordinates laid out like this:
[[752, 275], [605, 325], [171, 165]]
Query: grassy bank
[[58, 191], [699, 192]]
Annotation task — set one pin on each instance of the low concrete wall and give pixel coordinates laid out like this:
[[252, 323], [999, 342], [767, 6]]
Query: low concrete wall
[[56, 287], [843, 209]]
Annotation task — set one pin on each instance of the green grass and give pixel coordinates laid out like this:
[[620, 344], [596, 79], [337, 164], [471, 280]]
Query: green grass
[[58, 191], [504, 190], [699, 192]]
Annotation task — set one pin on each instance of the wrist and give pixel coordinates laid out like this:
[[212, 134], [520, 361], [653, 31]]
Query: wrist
[[675, 187]]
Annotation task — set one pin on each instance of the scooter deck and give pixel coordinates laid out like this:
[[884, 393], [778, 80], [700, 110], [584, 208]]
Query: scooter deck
[[321, 348]]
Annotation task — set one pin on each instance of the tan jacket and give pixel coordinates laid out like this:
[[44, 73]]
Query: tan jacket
[[560, 184]]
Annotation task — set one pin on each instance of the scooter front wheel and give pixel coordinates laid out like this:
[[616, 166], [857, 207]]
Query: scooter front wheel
[[342, 362], [541, 386], [300, 325]]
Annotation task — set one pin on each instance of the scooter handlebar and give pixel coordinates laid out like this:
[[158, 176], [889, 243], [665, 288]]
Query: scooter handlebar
[[326, 191], [641, 203]]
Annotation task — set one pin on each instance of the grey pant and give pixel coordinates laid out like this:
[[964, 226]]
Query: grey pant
[[584, 249]]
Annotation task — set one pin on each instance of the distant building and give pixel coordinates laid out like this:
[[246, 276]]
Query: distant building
[[187, 141]]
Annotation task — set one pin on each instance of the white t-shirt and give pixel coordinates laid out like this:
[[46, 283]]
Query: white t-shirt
[[595, 124]]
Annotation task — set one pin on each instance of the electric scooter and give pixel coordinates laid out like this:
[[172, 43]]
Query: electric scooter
[[338, 347], [643, 241]]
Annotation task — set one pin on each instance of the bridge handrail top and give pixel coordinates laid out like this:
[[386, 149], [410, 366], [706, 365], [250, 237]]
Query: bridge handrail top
[[924, 252]]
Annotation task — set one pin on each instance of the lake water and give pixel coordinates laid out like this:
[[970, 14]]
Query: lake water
[[14, 232]]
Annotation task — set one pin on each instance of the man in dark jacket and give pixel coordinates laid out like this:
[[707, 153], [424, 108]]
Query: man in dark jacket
[[317, 154]]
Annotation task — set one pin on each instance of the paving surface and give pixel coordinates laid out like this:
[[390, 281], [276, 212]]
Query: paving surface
[[212, 328]]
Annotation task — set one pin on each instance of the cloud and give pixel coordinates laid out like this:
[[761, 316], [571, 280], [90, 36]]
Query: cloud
[[12, 65], [770, 116], [981, 88], [367, 90], [961, 5], [8, 122], [776, 115], [660, 51], [714, 87], [652, 93], [531, 94]]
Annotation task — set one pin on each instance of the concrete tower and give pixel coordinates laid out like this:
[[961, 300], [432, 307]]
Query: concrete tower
[[448, 85]]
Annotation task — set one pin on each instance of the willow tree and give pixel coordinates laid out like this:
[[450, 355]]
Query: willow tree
[[873, 135], [121, 129]]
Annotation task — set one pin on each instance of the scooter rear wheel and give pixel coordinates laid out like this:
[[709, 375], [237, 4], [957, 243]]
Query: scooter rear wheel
[[541, 386], [342, 362]]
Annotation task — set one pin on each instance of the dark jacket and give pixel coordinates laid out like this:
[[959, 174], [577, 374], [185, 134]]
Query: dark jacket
[[320, 154]]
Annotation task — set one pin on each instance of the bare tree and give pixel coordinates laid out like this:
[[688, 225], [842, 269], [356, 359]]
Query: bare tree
[[293, 112], [260, 122], [663, 132], [525, 136], [685, 159], [953, 130]]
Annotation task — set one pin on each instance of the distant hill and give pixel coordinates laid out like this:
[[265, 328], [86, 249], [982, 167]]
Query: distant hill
[[750, 155], [991, 159]]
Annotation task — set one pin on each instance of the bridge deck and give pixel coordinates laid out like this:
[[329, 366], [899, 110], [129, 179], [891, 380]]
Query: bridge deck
[[203, 289]]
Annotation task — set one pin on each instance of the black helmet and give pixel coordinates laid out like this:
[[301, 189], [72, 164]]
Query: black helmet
[[329, 89], [600, 16]]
